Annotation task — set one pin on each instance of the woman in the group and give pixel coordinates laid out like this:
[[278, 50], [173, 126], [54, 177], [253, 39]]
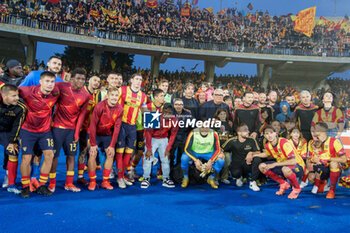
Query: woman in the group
[[300, 144], [202, 97], [225, 131]]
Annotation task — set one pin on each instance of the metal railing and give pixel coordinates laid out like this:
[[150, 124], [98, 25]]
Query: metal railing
[[167, 41]]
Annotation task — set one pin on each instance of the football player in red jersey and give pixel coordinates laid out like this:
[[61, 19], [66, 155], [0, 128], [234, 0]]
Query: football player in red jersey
[[104, 128], [93, 90], [68, 118], [36, 129]]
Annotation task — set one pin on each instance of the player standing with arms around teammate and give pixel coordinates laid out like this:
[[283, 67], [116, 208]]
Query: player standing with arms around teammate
[[68, 118], [36, 129]]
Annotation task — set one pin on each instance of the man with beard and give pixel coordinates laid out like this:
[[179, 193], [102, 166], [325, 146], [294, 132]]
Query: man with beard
[[93, 90], [13, 73], [263, 106], [242, 163], [248, 114], [290, 98], [273, 103], [54, 65]]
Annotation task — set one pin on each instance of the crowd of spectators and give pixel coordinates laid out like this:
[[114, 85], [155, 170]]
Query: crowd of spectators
[[235, 85], [234, 30]]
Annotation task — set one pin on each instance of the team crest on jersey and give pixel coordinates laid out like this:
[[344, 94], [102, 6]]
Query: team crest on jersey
[[25, 148], [247, 147], [114, 116]]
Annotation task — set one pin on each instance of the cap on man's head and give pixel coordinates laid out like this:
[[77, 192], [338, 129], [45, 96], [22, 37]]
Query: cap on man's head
[[12, 63]]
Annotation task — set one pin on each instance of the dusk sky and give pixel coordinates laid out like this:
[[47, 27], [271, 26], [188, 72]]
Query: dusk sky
[[275, 7]]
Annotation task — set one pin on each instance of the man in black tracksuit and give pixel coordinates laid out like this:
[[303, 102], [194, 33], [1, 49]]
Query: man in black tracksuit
[[12, 114], [13, 75], [248, 114], [182, 134], [243, 147]]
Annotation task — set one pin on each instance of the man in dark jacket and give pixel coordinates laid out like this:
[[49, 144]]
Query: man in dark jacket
[[208, 109], [13, 74], [182, 134], [12, 114]]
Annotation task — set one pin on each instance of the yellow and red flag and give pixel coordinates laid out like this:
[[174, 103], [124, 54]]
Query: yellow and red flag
[[305, 20], [151, 3], [222, 11], [185, 12], [284, 31], [209, 9], [94, 13]]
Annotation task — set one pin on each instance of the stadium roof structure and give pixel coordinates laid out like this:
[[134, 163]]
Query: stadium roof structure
[[290, 69]]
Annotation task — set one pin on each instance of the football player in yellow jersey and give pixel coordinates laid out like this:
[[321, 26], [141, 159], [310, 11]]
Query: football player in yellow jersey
[[332, 155], [288, 162], [131, 99]]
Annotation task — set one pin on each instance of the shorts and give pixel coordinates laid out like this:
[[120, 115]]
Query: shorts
[[140, 141], [64, 138], [322, 170], [30, 139], [127, 136], [297, 169], [4, 141], [103, 142]]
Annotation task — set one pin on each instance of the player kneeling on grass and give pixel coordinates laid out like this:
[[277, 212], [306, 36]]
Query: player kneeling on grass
[[104, 129], [327, 159], [12, 114], [288, 162], [202, 143], [157, 140], [243, 148], [318, 166]]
